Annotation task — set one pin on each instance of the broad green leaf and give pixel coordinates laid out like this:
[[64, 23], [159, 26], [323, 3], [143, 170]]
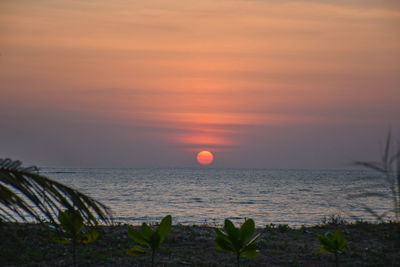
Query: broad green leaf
[[165, 227], [90, 237], [224, 245], [247, 230], [332, 243], [326, 245], [231, 230], [221, 234], [71, 221], [250, 251], [136, 251], [323, 249], [137, 237], [155, 241], [77, 219], [147, 232], [233, 234], [337, 235], [65, 221], [60, 240], [335, 245]]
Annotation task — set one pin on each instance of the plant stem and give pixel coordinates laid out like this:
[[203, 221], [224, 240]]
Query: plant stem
[[337, 260], [152, 258], [74, 251]]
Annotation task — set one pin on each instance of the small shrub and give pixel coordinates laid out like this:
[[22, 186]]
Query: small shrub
[[71, 231], [269, 227], [238, 240], [333, 243], [333, 220], [152, 239], [283, 228]]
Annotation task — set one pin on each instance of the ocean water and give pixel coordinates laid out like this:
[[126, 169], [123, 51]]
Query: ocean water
[[207, 195]]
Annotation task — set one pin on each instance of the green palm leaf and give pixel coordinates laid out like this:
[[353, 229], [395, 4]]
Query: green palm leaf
[[25, 194]]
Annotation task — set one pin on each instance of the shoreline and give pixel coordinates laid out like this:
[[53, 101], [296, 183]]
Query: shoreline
[[370, 244]]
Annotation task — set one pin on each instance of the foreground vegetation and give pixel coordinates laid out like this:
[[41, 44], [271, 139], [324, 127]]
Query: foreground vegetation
[[368, 245]]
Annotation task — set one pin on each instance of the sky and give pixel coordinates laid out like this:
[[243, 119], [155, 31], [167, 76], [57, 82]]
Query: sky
[[260, 84]]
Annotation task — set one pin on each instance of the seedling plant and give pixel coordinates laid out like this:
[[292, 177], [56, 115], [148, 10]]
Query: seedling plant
[[333, 243], [70, 231], [239, 241], [150, 238]]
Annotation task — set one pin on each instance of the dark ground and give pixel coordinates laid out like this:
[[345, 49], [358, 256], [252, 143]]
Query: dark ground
[[370, 245]]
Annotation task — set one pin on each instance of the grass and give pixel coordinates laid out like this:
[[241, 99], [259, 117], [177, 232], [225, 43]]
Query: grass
[[369, 245]]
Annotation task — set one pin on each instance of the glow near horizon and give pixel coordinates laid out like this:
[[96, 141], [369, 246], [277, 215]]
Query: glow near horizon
[[249, 79]]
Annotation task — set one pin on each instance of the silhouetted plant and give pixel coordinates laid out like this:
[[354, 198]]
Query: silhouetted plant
[[71, 231], [25, 194], [389, 168], [239, 241], [283, 228], [333, 243], [152, 239], [333, 219]]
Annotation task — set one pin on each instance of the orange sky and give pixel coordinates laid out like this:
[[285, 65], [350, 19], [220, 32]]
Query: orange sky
[[261, 83]]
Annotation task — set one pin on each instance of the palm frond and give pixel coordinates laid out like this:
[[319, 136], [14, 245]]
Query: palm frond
[[369, 194], [390, 168], [25, 194], [371, 165]]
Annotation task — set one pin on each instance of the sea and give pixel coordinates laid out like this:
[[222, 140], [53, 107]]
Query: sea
[[210, 195]]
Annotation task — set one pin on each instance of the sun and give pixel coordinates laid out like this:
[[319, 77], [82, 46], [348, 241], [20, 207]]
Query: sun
[[205, 157]]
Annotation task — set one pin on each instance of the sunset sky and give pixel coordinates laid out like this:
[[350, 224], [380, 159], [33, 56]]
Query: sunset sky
[[260, 83]]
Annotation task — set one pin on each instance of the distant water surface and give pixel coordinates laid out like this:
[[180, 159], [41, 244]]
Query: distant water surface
[[196, 196]]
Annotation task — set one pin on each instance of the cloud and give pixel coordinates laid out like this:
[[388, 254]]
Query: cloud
[[103, 83]]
